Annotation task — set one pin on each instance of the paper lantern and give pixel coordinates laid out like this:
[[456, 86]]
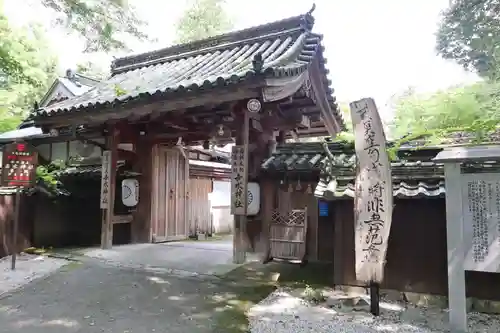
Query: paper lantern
[[130, 192]]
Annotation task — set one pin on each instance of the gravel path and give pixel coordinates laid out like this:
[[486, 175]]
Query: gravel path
[[28, 268], [93, 297], [283, 312]]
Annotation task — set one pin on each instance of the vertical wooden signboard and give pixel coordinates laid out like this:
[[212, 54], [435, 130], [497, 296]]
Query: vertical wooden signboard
[[105, 179], [238, 181], [19, 162], [374, 198]]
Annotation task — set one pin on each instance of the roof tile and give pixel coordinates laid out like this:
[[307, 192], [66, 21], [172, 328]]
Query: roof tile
[[283, 48]]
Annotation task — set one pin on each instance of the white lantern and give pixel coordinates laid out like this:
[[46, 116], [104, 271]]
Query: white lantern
[[253, 199], [130, 192]]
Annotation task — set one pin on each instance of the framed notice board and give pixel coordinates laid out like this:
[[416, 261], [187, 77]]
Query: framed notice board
[[19, 164]]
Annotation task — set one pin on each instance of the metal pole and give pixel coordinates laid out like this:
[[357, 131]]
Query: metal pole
[[15, 228]]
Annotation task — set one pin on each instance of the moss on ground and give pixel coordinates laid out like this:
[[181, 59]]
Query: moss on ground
[[251, 283], [230, 308]]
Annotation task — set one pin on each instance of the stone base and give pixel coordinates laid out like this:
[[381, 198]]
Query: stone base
[[201, 236], [425, 300]]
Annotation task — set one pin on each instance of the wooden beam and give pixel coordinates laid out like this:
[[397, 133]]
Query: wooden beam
[[119, 219], [139, 108]]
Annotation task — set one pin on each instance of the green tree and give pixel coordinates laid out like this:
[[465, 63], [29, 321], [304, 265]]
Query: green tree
[[468, 109], [469, 33], [202, 19], [22, 84], [105, 24]]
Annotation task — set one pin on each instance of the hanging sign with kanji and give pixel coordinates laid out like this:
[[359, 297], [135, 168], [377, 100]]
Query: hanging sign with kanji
[[105, 179], [238, 180], [19, 164]]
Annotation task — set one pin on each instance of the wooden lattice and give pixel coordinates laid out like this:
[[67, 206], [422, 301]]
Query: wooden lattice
[[288, 235], [295, 217]]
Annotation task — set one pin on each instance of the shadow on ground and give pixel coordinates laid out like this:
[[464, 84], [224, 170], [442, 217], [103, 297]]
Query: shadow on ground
[[285, 274], [92, 297]]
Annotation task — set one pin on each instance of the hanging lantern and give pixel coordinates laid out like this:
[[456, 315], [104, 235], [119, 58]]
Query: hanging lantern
[[298, 187], [290, 188], [309, 189]]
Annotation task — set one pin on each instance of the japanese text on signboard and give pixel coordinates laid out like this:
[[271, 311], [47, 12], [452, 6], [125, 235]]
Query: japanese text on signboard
[[373, 191], [238, 180], [19, 165], [481, 213], [105, 179]]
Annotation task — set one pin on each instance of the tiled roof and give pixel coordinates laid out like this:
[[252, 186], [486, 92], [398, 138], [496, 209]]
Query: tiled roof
[[412, 177], [92, 171], [400, 188], [276, 50], [95, 170], [74, 84], [306, 157]]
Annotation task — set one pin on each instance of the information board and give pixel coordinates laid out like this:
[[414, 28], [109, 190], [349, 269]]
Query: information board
[[481, 212], [19, 164]]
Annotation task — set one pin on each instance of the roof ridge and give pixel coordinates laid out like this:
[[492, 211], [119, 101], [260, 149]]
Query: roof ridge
[[303, 21]]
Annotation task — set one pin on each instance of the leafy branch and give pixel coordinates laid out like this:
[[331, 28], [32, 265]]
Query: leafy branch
[[104, 24], [48, 175]]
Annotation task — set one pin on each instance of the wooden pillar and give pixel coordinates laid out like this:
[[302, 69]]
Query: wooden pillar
[[141, 224], [112, 140], [268, 191], [240, 221], [338, 243]]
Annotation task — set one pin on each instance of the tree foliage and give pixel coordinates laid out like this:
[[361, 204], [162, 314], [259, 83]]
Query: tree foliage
[[469, 33], [202, 19], [471, 109], [27, 67], [92, 70], [105, 24], [347, 134]]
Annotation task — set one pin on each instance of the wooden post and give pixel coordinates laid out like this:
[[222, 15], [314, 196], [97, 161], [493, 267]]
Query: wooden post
[[240, 221], [375, 298], [107, 213], [141, 225], [16, 228]]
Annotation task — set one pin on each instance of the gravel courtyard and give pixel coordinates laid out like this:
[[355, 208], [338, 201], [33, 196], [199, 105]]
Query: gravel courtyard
[[112, 293], [93, 297], [285, 311]]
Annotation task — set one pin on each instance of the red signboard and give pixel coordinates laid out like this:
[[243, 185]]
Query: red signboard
[[19, 164]]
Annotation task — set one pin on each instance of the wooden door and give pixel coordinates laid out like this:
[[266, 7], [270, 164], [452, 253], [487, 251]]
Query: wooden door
[[199, 213], [170, 195]]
